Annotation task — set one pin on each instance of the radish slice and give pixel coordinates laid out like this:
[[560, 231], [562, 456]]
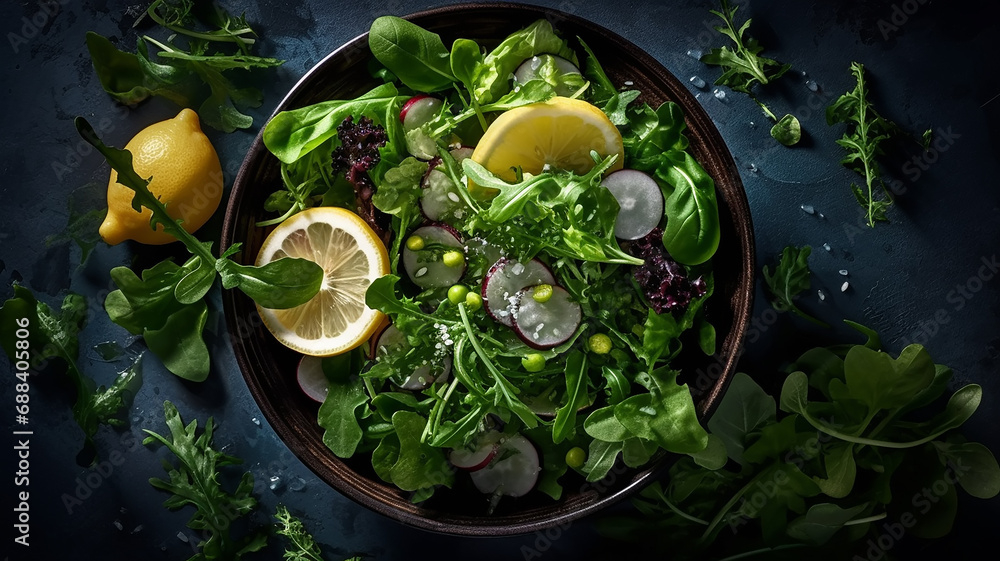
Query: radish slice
[[439, 197], [425, 267], [544, 325], [529, 70], [311, 378], [462, 153], [477, 455], [418, 110], [392, 341], [513, 472], [504, 279], [640, 200]]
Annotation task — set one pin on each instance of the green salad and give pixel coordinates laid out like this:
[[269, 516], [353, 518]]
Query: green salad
[[550, 242]]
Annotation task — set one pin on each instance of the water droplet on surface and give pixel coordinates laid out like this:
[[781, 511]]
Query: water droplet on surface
[[827, 247], [137, 529], [182, 536], [297, 484], [719, 94], [843, 272], [808, 209], [753, 168], [845, 286], [118, 524], [812, 85], [694, 53], [255, 421], [697, 82], [109, 350], [274, 483], [822, 296]]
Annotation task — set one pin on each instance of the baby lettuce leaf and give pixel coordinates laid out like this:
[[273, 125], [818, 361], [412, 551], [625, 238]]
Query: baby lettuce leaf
[[194, 481], [416, 56]]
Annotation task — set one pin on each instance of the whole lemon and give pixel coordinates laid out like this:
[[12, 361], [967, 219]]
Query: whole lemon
[[185, 174]]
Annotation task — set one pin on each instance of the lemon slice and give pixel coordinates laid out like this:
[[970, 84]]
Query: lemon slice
[[336, 320], [560, 132]]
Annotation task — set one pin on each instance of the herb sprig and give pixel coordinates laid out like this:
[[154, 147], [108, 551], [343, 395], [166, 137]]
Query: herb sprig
[[789, 279], [744, 68], [167, 304]]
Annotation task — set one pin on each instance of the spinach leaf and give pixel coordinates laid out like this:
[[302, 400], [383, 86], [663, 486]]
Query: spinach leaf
[[280, 284], [789, 279], [821, 522], [692, 233], [603, 92], [881, 382], [292, 134], [416, 56], [194, 481], [744, 409], [975, 467], [787, 130]]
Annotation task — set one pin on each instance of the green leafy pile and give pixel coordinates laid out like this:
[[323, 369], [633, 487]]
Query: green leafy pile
[[166, 303], [194, 481], [637, 407], [195, 76], [861, 439], [55, 335], [744, 68]]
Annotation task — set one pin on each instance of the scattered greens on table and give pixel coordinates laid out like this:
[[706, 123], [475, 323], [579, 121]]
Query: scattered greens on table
[[557, 216], [745, 68], [865, 445], [196, 76], [166, 303], [54, 335], [790, 279]]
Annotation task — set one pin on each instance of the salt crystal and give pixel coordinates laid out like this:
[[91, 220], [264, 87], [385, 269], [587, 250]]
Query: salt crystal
[[845, 286], [517, 269], [719, 94], [137, 529], [812, 85], [808, 209], [255, 421], [697, 82], [694, 53], [181, 536], [827, 247], [843, 272], [821, 295], [118, 524], [753, 168], [453, 197], [629, 83], [421, 272]]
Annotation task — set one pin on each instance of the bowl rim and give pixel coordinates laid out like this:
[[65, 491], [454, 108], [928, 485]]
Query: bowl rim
[[351, 484]]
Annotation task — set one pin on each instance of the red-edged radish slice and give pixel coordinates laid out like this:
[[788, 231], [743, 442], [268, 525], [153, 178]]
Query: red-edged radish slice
[[418, 110], [439, 197], [311, 378], [425, 267], [548, 324], [640, 201], [514, 471], [392, 341], [478, 454], [503, 281]]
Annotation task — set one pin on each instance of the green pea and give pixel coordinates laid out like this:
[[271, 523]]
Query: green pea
[[542, 293], [533, 362], [473, 301], [576, 457], [458, 293], [453, 258], [599, 343], [414, 243]]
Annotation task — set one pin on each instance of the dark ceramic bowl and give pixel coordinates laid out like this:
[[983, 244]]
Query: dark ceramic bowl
[[269, 368]]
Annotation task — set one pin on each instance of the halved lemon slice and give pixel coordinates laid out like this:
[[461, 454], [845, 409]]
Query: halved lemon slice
[[336, 320], [560, 132]]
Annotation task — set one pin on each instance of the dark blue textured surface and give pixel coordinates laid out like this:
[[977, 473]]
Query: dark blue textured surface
[[921, 278]]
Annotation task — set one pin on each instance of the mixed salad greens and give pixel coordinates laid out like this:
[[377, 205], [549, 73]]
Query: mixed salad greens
[[526, 337]]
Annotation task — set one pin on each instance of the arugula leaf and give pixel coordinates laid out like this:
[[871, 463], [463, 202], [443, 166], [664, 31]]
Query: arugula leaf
[[55, 335], [303, 546], [744, 68], [194, 481], [863, 139], [399, 196], [789, 279]]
